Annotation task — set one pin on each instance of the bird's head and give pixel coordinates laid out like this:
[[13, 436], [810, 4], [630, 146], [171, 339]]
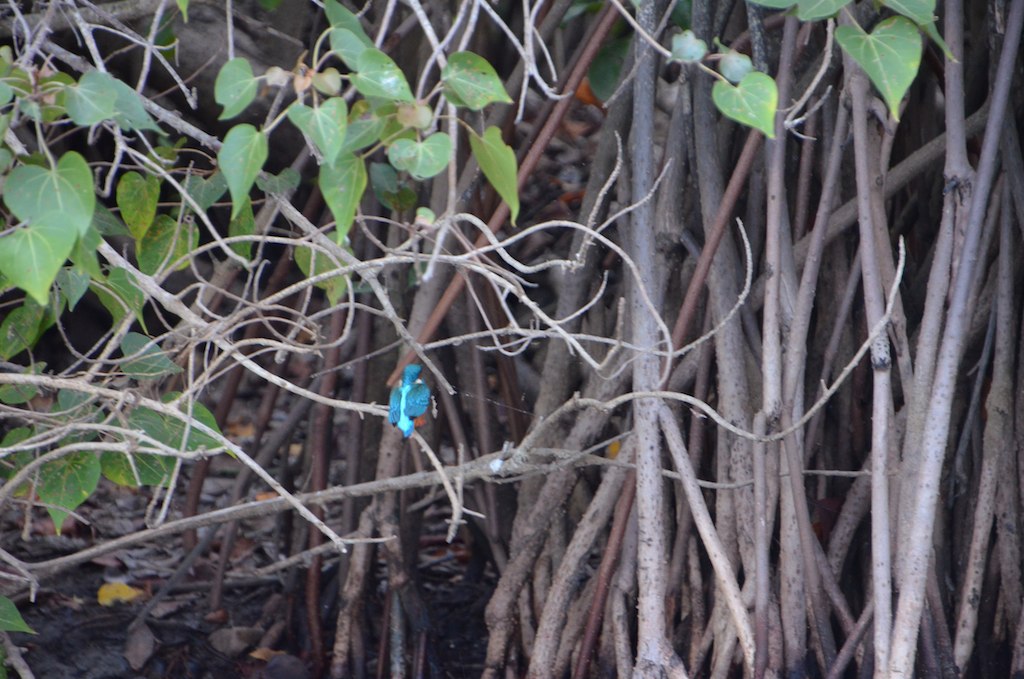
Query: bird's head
[[411, 373]]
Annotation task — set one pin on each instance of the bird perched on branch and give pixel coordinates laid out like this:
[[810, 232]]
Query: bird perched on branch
[[409, 400]]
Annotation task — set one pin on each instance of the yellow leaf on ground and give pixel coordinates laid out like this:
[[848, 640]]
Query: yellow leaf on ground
[[111, 593]]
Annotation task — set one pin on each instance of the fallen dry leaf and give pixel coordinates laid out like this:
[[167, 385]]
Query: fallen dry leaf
[[232, 641], [111, 593], [139, 646]]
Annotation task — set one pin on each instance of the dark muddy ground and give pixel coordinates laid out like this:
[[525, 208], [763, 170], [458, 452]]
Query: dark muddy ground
[[77, 638]]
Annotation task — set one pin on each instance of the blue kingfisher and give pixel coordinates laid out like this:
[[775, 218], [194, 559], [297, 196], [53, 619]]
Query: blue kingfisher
[[409, 400]]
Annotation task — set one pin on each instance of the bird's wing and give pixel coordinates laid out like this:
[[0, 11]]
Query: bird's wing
[[395, 406], [417, 400]]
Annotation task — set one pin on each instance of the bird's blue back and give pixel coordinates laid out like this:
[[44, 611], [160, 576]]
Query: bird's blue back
[[408, 400]]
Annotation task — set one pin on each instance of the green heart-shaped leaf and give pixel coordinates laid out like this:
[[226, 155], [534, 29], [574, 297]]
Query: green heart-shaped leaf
[[348, 46], [921, 12], [235, 87], [422, 159], [170, 430], [752, 102], [687, 47], [379, 76], [607, 67], [342, 184], [119, 293], [16, 394], [10, 618], [314, 263], [166, 242], [20, 329], [498, 162], [416, 114], [73, 283], [129, 111], [933, 33], [143, 359], [31, 257], [83, 255], [324, 125], [735, 66], [137, 197], [66, 483], [283, 182], [327, 81], [106, 223], [363, 129], [32, 191], [206, 192], [391, 193], [469, 80], [241, 158], [92, 100], [812, 10], [890, 55], [153, 469], [53, 89], [243, 225]]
